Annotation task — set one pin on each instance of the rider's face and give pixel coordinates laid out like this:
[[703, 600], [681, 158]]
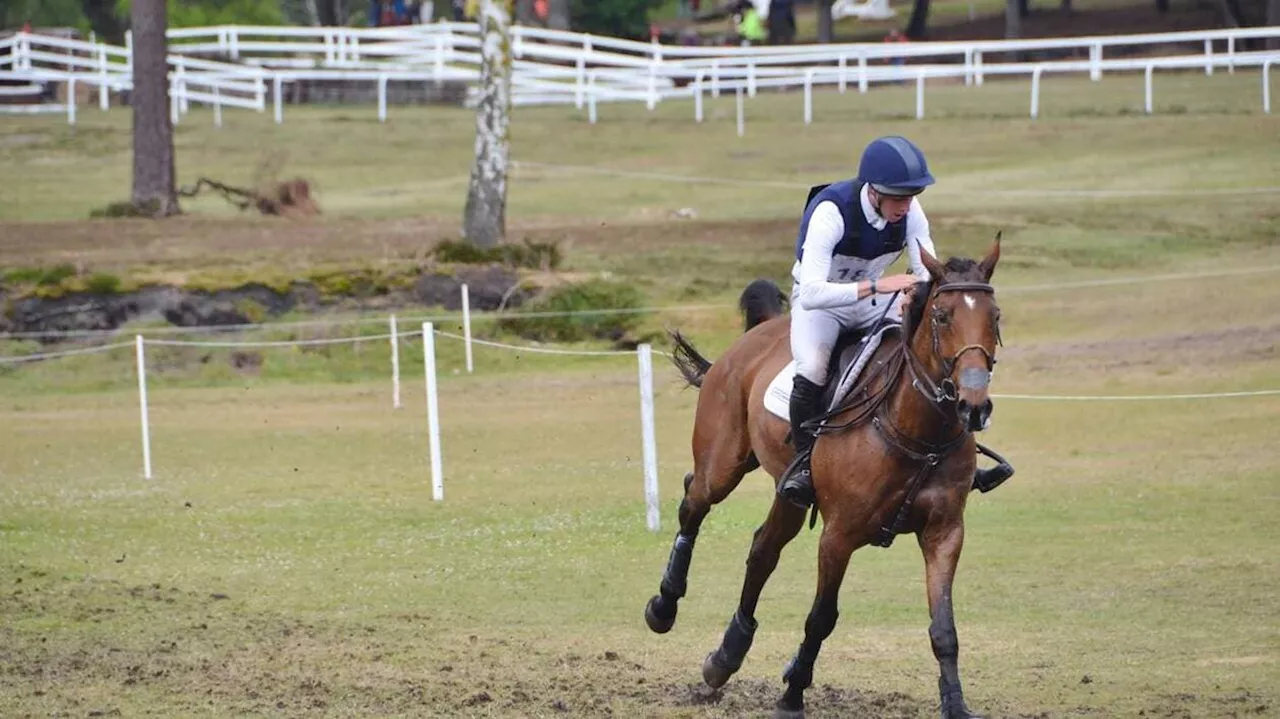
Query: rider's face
[[893, 208]]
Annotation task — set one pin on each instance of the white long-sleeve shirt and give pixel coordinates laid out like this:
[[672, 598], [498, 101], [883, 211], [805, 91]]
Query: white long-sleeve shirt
[[825, 280]]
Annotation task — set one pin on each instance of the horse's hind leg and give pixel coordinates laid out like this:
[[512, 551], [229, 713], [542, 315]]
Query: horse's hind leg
[[779, 528], [709, 484]]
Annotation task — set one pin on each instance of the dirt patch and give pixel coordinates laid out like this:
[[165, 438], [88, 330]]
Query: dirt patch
[[1224, 345]]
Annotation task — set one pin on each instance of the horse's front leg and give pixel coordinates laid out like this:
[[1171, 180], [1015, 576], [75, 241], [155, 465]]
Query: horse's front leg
[[941, 545], [834, 550]]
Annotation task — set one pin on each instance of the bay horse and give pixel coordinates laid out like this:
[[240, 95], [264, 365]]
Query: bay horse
[[901, 461]]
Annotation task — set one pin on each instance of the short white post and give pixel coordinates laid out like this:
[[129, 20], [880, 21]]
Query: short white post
[[1147, 80], [862, 72], [651, 100], [395, 363], [104, 101], [751, 79], [697, 96], [808, 97], [217, 106], [968, 67], [977, 68], [382, 98], [173, 100], [1266, 86], [1208, 57], [71, 101], [1095, 62], [715, 78], [437, 65], [1231, 55], [920, 96], [1035, 92], [128, 47], [234, 38], [277, 85], [742, 122], [579, 83], [433, 410], [650, 451], [181, 81], [466, 320], [591, 97], [142, 403], [843, 64]]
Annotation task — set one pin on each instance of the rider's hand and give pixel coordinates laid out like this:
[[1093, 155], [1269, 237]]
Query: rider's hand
[[895, 283]]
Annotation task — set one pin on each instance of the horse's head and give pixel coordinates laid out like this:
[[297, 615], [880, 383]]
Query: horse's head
[[956, 327]]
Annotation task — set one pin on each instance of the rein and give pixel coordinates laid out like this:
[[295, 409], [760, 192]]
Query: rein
[[938, 393]]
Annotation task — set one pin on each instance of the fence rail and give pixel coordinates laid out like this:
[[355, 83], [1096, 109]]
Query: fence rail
[[557, 67]]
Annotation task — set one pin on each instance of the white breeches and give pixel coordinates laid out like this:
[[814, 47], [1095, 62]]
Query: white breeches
[[814, 332]]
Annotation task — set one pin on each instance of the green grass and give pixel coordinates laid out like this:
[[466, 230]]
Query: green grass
[[287, 558]]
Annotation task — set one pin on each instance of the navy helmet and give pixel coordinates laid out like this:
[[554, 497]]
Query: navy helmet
[[894, 166]]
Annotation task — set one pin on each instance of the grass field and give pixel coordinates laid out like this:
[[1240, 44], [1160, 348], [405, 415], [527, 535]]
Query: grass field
[[287, 558]]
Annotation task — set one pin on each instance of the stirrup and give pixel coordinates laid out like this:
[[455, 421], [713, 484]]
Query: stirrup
[[797, 482]]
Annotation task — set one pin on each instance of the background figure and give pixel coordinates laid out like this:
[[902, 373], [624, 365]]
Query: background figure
[[782, 22]]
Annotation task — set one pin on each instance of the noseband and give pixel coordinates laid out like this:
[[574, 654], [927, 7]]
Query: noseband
[[939, 393]]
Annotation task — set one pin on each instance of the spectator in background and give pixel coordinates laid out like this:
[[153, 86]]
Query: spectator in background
[[782, 22], [748, 25], [896, 36]]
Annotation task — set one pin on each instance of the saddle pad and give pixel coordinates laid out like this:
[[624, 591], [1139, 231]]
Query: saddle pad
[[777, 399]]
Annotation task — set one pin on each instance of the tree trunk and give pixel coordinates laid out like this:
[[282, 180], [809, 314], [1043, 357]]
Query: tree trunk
[[1273, 19], [1012, 19], [558, 15], [104, 21], [485, 217], [919, 22], [153, 178], [826, 25]]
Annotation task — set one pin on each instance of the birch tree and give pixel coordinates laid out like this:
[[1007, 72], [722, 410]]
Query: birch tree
[[484, 221]]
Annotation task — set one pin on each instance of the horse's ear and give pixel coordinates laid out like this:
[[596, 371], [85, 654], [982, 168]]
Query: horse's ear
[[988, 264], [931, 263]]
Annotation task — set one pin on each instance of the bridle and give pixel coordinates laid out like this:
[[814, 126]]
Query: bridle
[[942, 392]]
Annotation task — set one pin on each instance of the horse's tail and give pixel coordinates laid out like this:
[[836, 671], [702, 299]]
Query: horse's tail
[[760, 302], [692, 365]]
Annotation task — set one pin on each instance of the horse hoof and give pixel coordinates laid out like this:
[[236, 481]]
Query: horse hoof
[[783, 713], [960, 713], [713, 674], [659, 624]]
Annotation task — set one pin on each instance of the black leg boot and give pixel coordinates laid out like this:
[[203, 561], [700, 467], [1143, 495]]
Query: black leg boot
[[797, 482]]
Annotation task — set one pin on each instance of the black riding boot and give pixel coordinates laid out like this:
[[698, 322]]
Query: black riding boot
[[797, 482]]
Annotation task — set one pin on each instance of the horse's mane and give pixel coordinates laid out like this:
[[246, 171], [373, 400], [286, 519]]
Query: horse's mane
[[960, 269]]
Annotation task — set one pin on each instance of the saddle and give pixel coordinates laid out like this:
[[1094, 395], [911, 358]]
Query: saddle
[[849, 358]]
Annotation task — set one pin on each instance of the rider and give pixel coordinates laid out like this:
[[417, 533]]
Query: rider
[[851, 231]]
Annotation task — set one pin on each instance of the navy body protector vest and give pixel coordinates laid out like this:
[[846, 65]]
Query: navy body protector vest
[[860, 238]]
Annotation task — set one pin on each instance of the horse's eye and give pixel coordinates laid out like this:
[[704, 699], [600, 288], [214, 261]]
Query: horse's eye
[[941, 316]]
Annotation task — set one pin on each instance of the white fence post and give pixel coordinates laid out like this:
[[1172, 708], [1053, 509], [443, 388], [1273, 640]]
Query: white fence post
[[395, 363], [142, 403], [173, 100], [1151, 69], [71, 101], [808, 96], [104, 102], [592, 115], [277, 85], [1035, 93], [644, 354], [1095, 62], [181, 82], [1231, 55], [862, 72], [437, 65], [382, 98], [128, 51], [715, 78], [742, 122], [466, 319], [217, 106], [697, 96], [843, 64], [433, 410], [968, 67], [920, 95], [751, 79], [977, 68], [1266, 86], [580, 81], [1208, 57], [651, 101]]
